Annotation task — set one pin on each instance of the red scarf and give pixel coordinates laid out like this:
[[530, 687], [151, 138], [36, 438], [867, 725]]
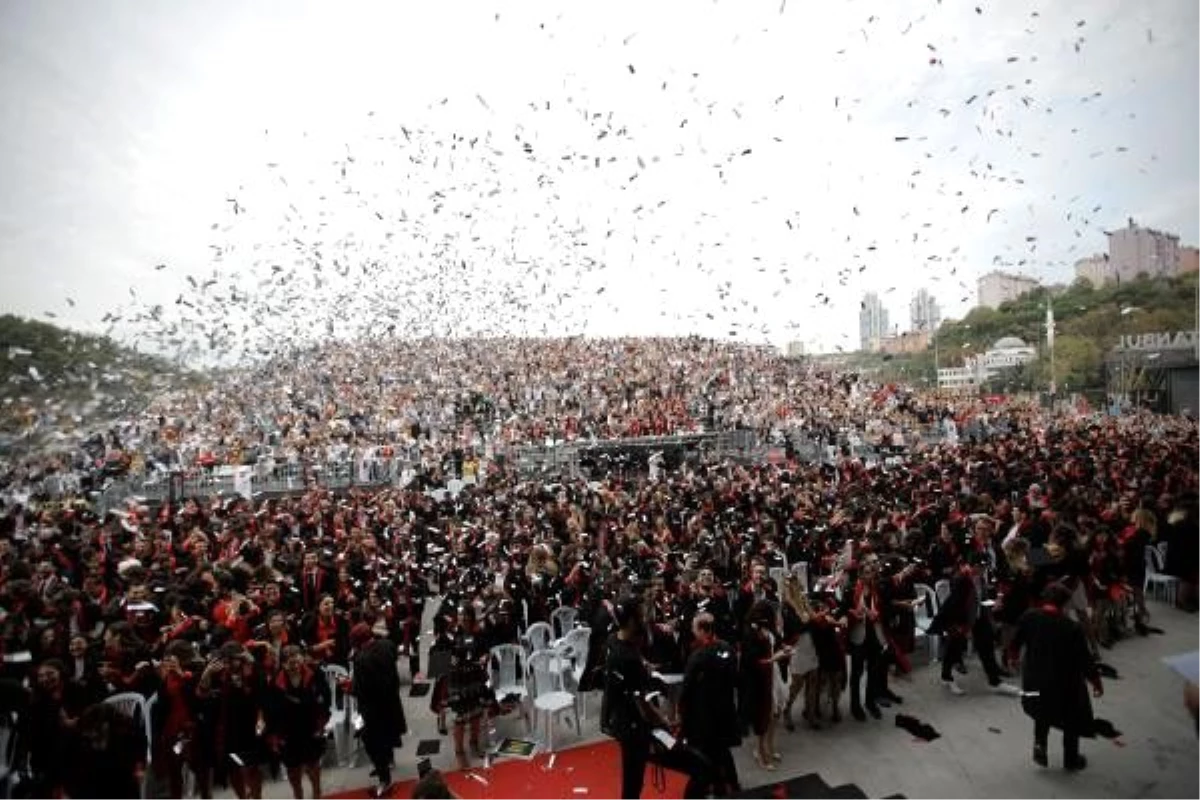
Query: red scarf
[[284, 684]]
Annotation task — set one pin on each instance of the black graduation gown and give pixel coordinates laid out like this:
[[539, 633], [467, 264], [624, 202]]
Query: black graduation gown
[[109, 772], [709, 698], [1058, 665], [377, 691]]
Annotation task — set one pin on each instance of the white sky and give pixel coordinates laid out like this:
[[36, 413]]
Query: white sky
[[125, 127]]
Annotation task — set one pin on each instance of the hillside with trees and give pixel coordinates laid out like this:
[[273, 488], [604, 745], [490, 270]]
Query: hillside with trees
[[1089, 321], [54, 379]]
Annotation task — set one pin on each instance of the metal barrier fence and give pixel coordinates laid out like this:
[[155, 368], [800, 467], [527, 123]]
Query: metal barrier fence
[[281, 479], [560, 458]]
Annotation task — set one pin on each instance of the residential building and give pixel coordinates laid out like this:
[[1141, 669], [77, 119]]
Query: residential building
[[997, 288], [924, 313], [1006, 353], [1189, 260], [910, 342], [1096, 269], [1134, 250], [872, 322], [794, 350]]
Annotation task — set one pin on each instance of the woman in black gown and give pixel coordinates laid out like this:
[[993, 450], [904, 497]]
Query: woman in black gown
[[468, 695]]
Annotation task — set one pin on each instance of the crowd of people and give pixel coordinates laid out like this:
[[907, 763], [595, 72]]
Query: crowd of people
[[226, 610], [429, 402]]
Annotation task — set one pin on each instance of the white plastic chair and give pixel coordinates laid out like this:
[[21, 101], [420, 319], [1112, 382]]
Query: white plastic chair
[[537, 637], [924, 619], [339, 717], [562, 620], [135, 705], [926, 592], [573, 653], [506, 669], [942, 592], [573, 649], [549, 694], [1155, 577], [508, 676]]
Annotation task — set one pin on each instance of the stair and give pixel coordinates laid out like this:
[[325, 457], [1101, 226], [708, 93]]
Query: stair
[[810, 785]]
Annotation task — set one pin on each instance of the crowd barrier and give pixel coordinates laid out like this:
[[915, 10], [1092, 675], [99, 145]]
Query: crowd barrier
[[280, 479], [560, 458]]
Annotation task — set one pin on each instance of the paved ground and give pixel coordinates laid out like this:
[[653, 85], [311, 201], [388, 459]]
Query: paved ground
[[984, 750]]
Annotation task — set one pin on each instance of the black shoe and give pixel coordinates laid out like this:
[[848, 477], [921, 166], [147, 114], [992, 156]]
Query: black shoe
[[1076, 764], [858, 714], [892, 697], [1039, 756], [873, 710]]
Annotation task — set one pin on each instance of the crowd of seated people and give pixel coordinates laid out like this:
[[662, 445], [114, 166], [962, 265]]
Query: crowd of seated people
[[227, 611], [432, 402]]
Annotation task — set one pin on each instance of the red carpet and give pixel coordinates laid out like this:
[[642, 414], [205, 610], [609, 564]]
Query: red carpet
[[592, 770]]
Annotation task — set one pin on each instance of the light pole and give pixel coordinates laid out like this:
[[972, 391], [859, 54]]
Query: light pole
[[1195, 320], [937, 375], [1129, 374], [1050, 344]]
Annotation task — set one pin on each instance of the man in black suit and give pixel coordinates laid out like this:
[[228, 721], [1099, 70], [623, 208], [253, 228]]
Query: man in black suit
[[708, 703]]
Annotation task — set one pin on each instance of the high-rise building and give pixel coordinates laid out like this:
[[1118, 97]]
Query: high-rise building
[[872, 322], [996, 288], [1133, 250], [924, 313], [1096, 269], [794, 350]]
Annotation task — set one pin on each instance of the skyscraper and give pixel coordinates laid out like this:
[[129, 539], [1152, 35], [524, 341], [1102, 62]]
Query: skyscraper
[[924, 313], [872, 322]]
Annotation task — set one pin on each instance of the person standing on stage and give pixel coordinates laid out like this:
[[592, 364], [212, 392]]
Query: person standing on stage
[[1056, 671]]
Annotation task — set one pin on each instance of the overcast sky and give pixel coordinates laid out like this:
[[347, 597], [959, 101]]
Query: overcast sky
[[760, 166]]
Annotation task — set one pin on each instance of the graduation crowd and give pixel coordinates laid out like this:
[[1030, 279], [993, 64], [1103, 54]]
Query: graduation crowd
[[228, 611], [432, 402]]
